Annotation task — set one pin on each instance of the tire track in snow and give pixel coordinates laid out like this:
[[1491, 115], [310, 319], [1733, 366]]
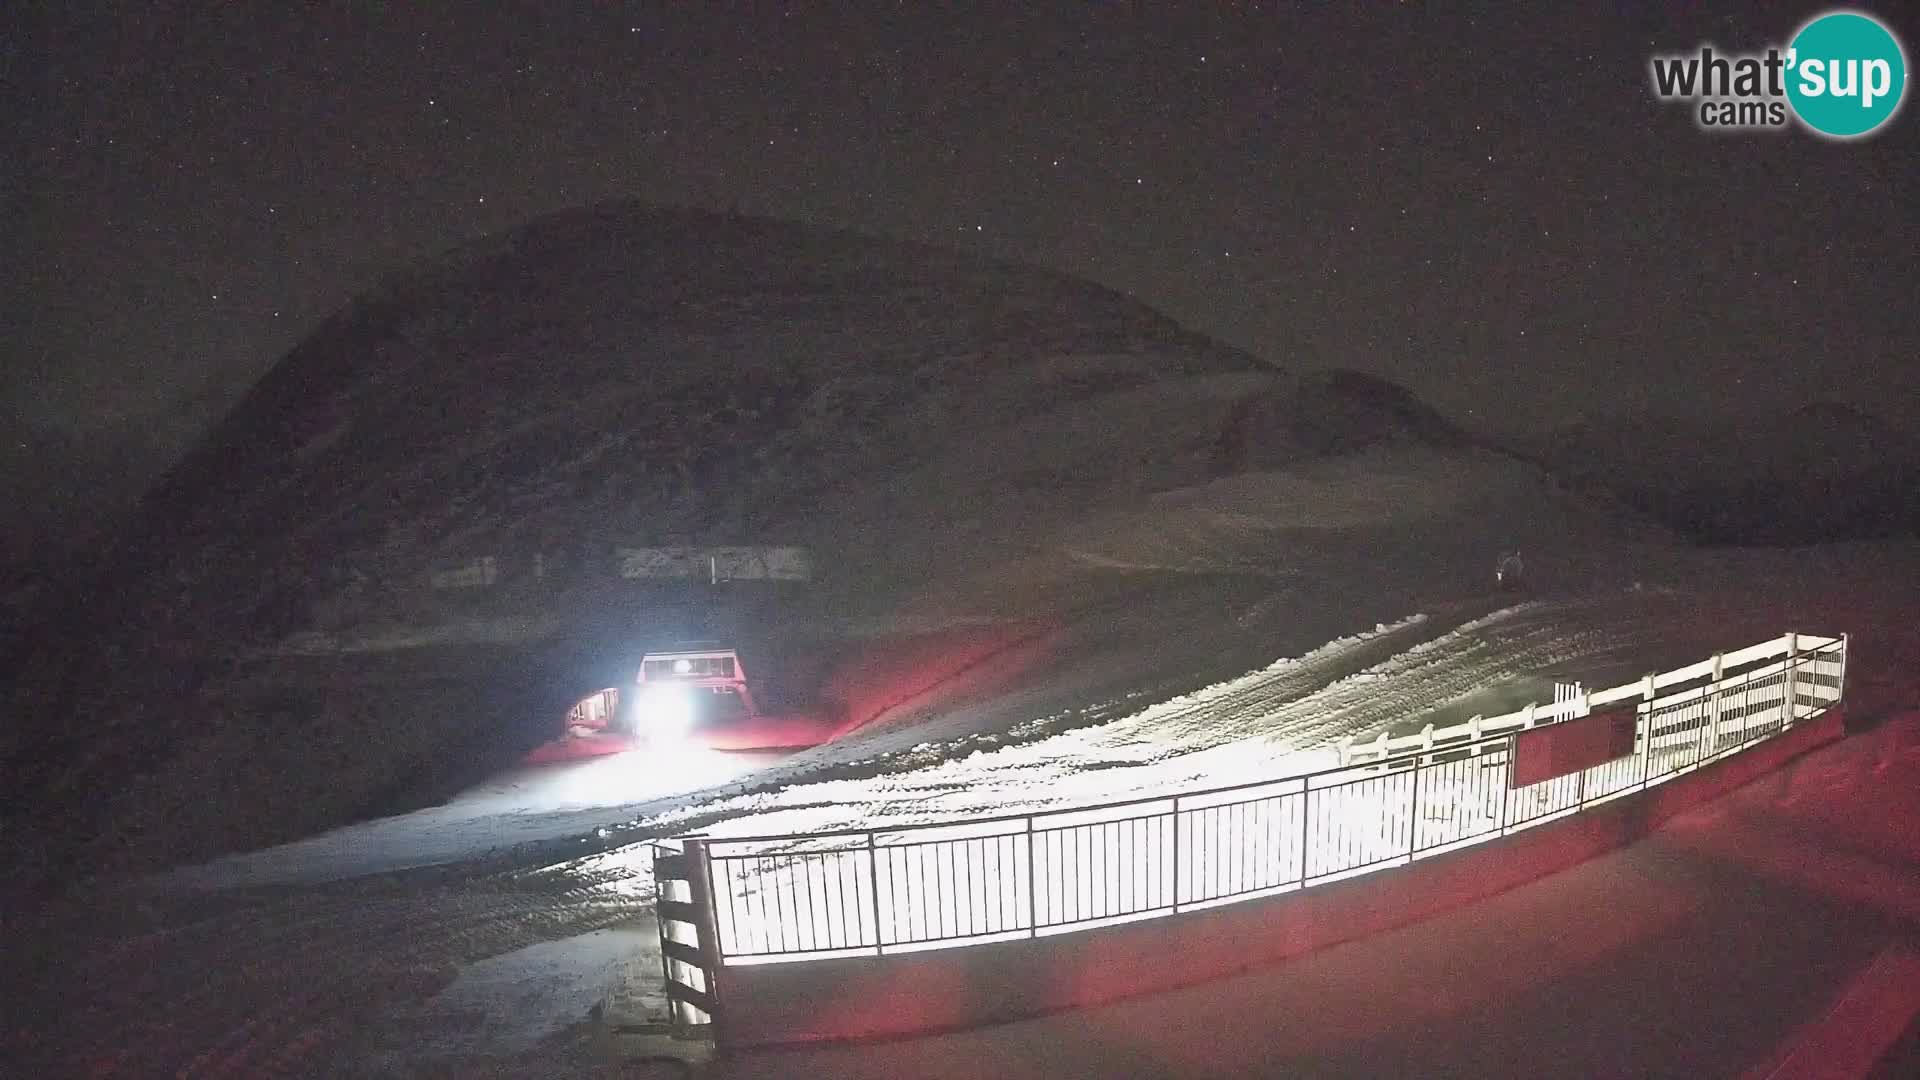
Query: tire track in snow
[[1317, 667], [1248, 728]]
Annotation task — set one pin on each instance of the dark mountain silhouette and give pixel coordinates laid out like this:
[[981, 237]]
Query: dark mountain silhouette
[[624, 374], [1824, 471]]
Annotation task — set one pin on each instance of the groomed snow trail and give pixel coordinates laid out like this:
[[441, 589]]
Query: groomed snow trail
[[1266, 723]]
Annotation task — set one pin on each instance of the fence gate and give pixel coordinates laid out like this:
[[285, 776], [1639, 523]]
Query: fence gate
[[689, 942]]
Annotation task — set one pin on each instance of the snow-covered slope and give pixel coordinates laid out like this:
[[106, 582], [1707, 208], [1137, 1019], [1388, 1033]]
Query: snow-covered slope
[[443, 970], [954, 439]]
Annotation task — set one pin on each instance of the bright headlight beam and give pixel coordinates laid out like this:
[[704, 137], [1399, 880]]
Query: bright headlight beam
[[665, 712]]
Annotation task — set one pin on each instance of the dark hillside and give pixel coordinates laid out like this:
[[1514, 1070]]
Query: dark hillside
[[1821, 472], [616, 375]]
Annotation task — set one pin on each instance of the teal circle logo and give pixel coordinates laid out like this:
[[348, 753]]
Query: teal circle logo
[[1846, 74]]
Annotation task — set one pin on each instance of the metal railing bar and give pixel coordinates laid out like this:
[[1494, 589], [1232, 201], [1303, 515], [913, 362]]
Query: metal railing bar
[[1392, 762], [1133, 865], [1057, 924]]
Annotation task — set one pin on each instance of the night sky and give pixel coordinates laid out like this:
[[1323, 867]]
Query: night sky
[[1492, 210]]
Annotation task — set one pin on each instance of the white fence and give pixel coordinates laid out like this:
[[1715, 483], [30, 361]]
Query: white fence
[[797, 897]]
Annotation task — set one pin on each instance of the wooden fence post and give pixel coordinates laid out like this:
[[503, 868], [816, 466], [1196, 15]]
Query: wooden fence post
[[692, 866]]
